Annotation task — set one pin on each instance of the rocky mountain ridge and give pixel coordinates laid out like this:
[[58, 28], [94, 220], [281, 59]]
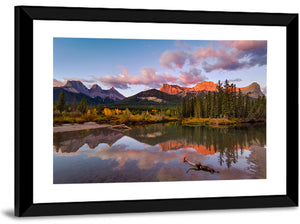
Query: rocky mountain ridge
[[95, 91], [253, 90]]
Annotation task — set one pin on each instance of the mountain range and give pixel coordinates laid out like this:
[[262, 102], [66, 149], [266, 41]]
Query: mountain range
[[253, 90], [76, 90], [167, 95]]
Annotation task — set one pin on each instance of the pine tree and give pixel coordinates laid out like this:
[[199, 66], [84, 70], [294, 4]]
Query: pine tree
[[247, 106], [74, 106], [224, 106], [192, 107], [197, 107], [231, 101], [207, 104], [183, 107], [220, 86], [212, 107], [220, 96], [234, 99], [201, 102], [216, 105], [61, 102], [188, 108], [178, 111], [226, 85], [240, 105], [82, 106]]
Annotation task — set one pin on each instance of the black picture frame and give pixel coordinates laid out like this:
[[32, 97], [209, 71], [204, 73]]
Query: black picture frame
[[24, 18]]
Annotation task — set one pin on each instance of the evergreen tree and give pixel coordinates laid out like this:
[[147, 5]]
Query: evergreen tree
[[183, 107], [216, 105], [226, 85], [74, 106], [219, 86], [212, 106], [197, 107], [201, 107], [231, 101], [178, 111], [61, 102], [208, 104], [220, 96], [240, 105], [247, 107], [224, 107], [192, 106], [82, 106], [188, 108]]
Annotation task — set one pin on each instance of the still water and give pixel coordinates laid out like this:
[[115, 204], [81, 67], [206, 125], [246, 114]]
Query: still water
[[156, 153]]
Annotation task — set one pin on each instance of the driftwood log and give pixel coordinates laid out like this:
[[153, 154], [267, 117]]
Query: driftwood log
[[199, 166], [121, 127]]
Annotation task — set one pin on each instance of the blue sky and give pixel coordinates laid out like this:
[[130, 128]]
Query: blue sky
[[131, 65]]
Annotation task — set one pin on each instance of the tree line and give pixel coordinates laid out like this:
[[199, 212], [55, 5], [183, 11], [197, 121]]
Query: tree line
[[227, 102], [82, 106]]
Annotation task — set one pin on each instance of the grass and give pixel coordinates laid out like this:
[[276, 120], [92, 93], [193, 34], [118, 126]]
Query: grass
[[149, 119], [211, 122], [115, 119]]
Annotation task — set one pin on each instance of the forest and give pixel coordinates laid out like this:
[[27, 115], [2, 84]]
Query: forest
[[227, 103]]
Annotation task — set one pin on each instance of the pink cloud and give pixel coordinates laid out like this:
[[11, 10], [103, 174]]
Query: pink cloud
[[232, 55], [208, 52], [148, 76], [193, 76], [223, 63], [227, 55], [120, 81], [173, 59], [246, 45], [151, 78]]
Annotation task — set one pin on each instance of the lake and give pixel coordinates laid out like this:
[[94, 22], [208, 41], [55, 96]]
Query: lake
[[157, 153]]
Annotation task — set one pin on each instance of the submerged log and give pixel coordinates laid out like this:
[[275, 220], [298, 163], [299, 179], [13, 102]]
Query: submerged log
[[199, 166], [121, 127]]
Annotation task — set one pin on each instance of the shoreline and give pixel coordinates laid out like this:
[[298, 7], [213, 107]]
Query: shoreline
[[78, 127], [218, 122], [187, 122]]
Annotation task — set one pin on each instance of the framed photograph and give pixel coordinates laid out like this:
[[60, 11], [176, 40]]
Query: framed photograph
[[121, 110]]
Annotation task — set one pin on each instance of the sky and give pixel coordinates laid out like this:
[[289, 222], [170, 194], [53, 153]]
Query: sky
[[134, 65]]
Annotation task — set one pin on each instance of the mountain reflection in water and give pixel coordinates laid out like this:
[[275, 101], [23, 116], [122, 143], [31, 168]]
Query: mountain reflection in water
[[156, 153]]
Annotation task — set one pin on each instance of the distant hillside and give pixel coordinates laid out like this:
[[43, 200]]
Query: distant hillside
[[150, 98], [71, 96]]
